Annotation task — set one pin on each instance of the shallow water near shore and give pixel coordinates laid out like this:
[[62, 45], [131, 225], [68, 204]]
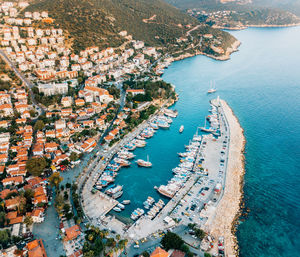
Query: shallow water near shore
[[261, 83]]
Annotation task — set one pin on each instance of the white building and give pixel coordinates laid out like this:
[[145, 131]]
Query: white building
[[53, 88]]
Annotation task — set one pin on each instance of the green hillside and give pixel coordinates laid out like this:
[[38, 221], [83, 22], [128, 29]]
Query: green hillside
[[98, 22]]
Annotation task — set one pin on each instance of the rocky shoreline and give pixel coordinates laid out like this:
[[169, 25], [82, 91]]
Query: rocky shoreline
[[226, 56]]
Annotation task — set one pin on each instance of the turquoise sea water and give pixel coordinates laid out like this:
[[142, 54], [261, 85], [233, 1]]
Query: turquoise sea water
[[261, 83]]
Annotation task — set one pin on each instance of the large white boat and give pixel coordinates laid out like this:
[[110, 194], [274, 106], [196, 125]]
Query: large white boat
[[212, 89], [143, 163]]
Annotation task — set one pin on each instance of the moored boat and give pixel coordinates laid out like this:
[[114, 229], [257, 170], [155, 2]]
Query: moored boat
[[117, 209], [143, 163], [126, 202]]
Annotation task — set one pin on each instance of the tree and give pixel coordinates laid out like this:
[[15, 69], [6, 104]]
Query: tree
[[207, 255], [36, 166], [4, 237], [89, 254], [28, 221], [55, 180], [59, 203], [2, 219], [39, 125], [172, 241], [74, 157], [199, 233], [145, 254]]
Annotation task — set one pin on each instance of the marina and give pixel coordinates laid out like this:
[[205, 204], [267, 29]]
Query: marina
[[262, 226], [199, 167]]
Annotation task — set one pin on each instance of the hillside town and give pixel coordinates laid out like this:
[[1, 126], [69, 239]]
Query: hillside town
[[49, 123]]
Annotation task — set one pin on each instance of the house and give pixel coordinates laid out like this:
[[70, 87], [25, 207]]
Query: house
[[88, 145], [6, 110], [88, 123], [50, 133], [12, 203], [51, 147], [12, 181], [135, 92], [3, 124], [36, 249], [45, 74], [66, 112], [37, 215], [138, 44], [60, 124], [158, 252], [40, 196], [5, 192], [4, 137], [100, 93], [79, 102], [38, 150], [66, 101], [177, 253], [72, 233]]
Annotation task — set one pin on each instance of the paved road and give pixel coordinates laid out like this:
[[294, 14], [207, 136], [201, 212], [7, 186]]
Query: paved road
[[28, 84]]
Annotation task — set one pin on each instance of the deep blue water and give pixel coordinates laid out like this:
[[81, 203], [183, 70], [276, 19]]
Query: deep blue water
[[261, 83]]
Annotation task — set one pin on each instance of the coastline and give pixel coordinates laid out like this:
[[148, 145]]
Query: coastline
[[226, 56], [258, 26], [228, 210]]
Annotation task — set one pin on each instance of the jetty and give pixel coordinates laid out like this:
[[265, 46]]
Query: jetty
[[228, 209]]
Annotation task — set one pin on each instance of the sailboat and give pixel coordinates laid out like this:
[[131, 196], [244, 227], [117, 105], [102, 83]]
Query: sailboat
[[205, 129], [143, 163], [212, 89]]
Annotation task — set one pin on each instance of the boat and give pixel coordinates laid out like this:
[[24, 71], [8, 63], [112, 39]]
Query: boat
[[143, 163], [140, 143], [171, 113], [137, 213], [163, 124], [181, 128], [130, 146], [122, 162], [153, 125], [126, 202], [117, 195], [205, 129], [212, 89], [117, 209], [115, 192], [121, 206], [124, 154]]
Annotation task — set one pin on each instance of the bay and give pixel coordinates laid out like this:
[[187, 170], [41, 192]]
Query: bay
[[261, 83]]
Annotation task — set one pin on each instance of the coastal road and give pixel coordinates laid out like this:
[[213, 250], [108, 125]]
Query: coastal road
[[27, 83]]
